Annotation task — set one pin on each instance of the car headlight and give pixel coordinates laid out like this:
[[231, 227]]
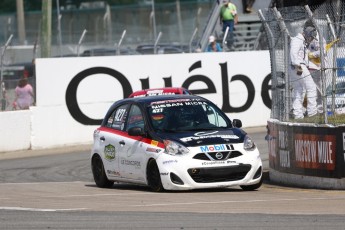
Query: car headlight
[[248, 143], [174, 148]]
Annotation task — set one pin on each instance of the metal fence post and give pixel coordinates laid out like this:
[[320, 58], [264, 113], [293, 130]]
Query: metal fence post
[[334, 75], [80, 41], [2, 83], [120, 42], [271, 45], [156, 43], [286, 34], [191, 40]]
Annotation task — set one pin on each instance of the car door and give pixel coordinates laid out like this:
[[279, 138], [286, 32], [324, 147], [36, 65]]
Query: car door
[[132, 152], [110, 137]]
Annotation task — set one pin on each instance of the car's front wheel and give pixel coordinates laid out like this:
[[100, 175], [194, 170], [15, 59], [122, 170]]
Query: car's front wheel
[[98, 172], [252, 186], [154, 177]]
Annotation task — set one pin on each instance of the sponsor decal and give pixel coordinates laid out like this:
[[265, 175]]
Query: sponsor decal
[[164, 174], [213, 163], [170, 101], [205, 133], [109, 152], [175, 103], [113, 173], [153, 150], [154, 143], [158, 92], [315, 151], [167, 105], [137, 164], [169, 162], [212, 148], [284, 154], [195, 103], [231, 162], [187, 139]]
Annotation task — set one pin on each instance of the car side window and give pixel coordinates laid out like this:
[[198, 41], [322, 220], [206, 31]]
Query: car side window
[[135, 118], [214, 117], [118, 118]]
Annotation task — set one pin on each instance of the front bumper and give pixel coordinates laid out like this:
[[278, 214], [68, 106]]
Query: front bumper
[[185, 172]]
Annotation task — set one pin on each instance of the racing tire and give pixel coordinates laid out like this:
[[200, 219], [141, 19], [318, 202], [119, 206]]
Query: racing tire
[[98, 172], [252, 187], [154, 177]]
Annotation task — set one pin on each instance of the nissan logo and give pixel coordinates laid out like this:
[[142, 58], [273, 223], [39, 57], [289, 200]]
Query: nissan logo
[[219, 155]]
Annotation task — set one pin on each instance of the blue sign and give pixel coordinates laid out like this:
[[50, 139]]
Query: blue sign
[[341, 67]]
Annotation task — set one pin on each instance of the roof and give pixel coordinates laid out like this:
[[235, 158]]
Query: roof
[[148, 100], [160, 91]]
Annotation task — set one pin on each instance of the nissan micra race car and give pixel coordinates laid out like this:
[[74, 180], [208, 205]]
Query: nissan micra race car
[[173, 142]]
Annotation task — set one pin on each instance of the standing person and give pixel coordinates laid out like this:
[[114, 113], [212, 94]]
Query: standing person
[[228, 17], [24, 94], [314, 65], [247, 6], [303, 83], [213, 45]]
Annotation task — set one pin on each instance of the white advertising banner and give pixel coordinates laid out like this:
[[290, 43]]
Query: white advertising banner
[[79, 90]]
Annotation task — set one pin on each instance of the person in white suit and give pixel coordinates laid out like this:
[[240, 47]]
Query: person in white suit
[[314, 64], [302, 81]]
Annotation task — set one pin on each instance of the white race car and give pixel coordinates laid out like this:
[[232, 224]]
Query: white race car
[[173, 142]]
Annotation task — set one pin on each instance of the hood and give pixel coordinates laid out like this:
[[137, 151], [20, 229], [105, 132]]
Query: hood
[[208, 137]]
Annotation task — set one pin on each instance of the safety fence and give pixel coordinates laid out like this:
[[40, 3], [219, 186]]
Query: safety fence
[[282, 26]]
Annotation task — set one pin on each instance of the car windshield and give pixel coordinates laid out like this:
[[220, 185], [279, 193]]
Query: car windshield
[[186, 115]]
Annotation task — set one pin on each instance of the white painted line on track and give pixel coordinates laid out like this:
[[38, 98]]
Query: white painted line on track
[[100, 194], [233, 201], [39, 209], [33, 183]]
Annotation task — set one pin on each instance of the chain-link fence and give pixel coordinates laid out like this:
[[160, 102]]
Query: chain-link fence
[[314, 89], [105, 25]]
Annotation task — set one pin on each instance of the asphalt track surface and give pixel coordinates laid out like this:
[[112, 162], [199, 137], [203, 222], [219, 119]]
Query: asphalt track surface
[[54, 189]]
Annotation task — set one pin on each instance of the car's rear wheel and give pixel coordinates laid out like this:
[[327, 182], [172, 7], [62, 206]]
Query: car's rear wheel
[[154, 177], [252, 186], [98, 172]]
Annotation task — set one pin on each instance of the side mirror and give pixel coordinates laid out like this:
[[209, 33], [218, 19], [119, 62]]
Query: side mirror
[[237, 123], [136, 131]]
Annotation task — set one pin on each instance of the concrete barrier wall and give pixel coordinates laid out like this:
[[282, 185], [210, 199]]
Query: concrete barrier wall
[[73, 94], [15, 130], [304, 154]]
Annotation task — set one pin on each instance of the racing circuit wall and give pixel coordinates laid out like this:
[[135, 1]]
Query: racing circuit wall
[[306, 155], [73, 94]]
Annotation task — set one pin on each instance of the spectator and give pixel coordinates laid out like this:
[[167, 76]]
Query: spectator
[[213, 45], [303, 83], [247, 6], [228, 18], [24, 94]]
